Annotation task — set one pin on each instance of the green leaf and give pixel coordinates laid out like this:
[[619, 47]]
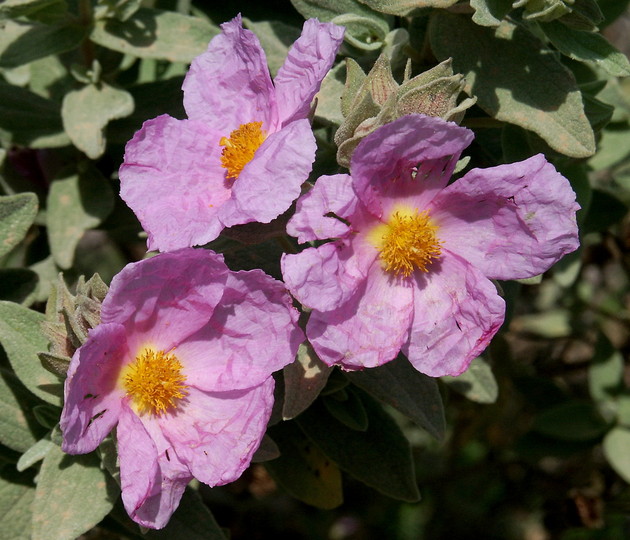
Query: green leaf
[[605, 372], [587, 47], [116, 9], [76, 203], [553, 323], [87, 111], [151, 100], [35, 454], [571, 421], [18, 285], [403, 8], [490, 12], [304, 379], [275, 38], [614, 146], [516, 80], [584, 15], [616, 444], [380, 456], [192, 520], [16, 499], [303, 470], [606, 210], [11, 9], [329, 97], [17, 423], [400, 385], [477, 383], [152, 33], [365, 28], [22, 42], [29, 120], [347, 408], [22, 339], [17, 213], [73, 494]]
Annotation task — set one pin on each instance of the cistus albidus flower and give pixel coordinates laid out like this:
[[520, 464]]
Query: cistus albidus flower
[[411, 260], [246, 147], [181, 365]]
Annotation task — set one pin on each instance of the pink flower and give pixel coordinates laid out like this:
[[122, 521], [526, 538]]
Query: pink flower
[[181, 363], [246, 147], [410, 267]]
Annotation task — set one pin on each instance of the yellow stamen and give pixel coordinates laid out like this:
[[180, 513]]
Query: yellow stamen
[[241, 146], [407, 242], [154, 381]]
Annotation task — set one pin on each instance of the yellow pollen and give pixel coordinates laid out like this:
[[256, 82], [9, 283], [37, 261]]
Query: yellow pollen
[[407, 242], [154, 381], [241, 146]]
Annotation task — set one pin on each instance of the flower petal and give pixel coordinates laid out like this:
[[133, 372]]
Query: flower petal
[[173, 180], [369, 329], [323, 278], [149, 496], [329, 195], [92, 400], [219, 432], [383, 165], [457, 311], [511, 221], [253, 332], [166, 298], [229, 84], [307, 63], [271, 181]]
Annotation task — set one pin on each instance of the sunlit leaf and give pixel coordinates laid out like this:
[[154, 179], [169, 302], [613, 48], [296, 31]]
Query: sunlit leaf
[[17, 213]]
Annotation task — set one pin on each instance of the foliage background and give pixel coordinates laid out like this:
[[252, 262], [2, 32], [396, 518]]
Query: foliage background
[[532, 442]]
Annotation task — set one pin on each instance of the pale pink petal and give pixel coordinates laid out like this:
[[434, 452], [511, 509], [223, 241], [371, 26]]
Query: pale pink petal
[[456, 313], [272, 180], [323, 278], [253, 332], [173, 180], [314, 218], [229, 84], [383, 165], [369, 329], [166, 298], [149, 496], [217, 433], [307, 62], [511, 221], [92, 398]]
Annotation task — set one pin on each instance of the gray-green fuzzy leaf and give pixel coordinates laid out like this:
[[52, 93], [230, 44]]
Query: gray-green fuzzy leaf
[[152, 33], [403, 8], [87, 111], [616, 444], [516, 80], [17, 213], [587, 47], [73, 494], [76, 203], [16, 420], [22, 339], [21, 42], [477, 383], [16, 499]]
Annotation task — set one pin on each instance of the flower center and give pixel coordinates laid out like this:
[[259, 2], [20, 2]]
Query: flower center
[[240, 147], [154, 381], [407, 242]]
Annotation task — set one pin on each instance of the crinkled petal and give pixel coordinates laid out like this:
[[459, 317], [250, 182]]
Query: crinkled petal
[[271, 181], [166, 298], [218, 433], [229, 84], [323, 278], [511, 221], [307, 63], [173, 180], [313, 220], [92, 399], [384, 164], [253, 332], [149, 496], [369, 329], [456, 313]]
